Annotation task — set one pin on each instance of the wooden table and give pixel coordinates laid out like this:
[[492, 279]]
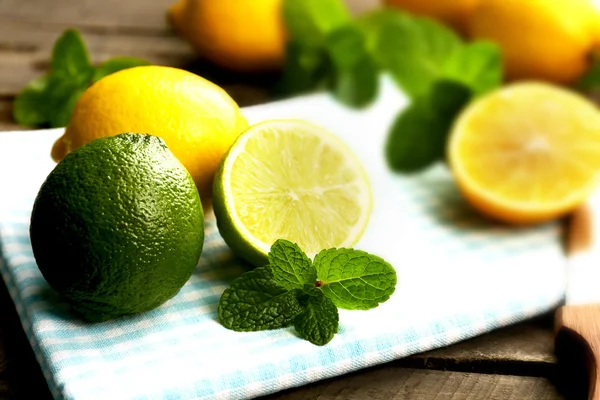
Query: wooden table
[[513, 363]]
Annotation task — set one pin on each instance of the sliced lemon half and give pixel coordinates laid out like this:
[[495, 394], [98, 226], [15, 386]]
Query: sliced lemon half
[[526, 153], [290, 180]]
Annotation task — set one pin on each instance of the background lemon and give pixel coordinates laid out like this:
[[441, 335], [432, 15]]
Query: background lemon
[[526, 153], [197, 119], [246, 35], [290, 180], [540, 39], [454, 13]]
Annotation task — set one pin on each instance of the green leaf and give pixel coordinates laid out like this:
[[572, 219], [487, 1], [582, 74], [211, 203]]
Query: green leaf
[[62, 95], [590, 81], [414, 51], [358, 86], [291, 268], [417, 138], [419, 134], [478, 65], [117, 64], [309, 21], [448, 98], [354, 279], [346, 46], [64, 103], [255, 302], [320, 320], [69, 56], [372, 23], [31, 106], [306, 69], [356, 76]]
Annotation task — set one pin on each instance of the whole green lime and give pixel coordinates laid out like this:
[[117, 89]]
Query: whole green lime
[[117, 228]]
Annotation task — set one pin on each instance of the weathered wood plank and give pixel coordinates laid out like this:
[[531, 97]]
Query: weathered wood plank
[[20, 375], [390, 382], [6, 123], [524, 349], [130, 15]]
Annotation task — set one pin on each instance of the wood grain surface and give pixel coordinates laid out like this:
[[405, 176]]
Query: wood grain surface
[[513, 363], [390, 382]]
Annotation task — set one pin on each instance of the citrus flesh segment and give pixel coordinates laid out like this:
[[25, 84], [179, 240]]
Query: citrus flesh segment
[[290, 180], [527, 153]]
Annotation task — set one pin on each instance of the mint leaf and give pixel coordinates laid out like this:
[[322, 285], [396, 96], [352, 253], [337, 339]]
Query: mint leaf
[[31, 106], [371, 23], [417, 138], [478, 65], [309, 21], [414, 50], [419, 134], [357, 86], [69, 56], [291, 268], [117, 64], [346, 46], [354, 279], [305, 69], [64, 96], [320, 320], [356, 77], [448, 98], [590, 81], [256, 302]]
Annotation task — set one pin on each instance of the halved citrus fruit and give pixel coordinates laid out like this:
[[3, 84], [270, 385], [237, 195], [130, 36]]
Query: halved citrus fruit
[[526, 153], [290, 180]]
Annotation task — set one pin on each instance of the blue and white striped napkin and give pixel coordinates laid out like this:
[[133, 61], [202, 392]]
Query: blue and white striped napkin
[[459, 276]]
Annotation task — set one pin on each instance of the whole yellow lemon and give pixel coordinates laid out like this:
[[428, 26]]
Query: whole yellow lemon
[[540, 39], [453, 13], [196, 118], [243, 35]]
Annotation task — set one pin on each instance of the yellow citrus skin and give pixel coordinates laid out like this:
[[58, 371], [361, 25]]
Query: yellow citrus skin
[[454, 13], [540, 39], [197, 119], [243, 35], [526, 153]]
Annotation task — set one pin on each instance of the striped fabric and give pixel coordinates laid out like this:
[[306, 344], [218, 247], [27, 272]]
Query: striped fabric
[[459, 276]]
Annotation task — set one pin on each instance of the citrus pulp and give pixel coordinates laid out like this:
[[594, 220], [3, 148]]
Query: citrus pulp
[[526, 153], [290, 180]]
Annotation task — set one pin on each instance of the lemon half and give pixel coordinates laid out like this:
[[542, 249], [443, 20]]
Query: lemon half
[[528, 152], [290, 180]]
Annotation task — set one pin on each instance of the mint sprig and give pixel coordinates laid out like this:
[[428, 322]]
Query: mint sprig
[[412, 49], [292, 289], [48, 101], [327, 50], [439, 72]]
